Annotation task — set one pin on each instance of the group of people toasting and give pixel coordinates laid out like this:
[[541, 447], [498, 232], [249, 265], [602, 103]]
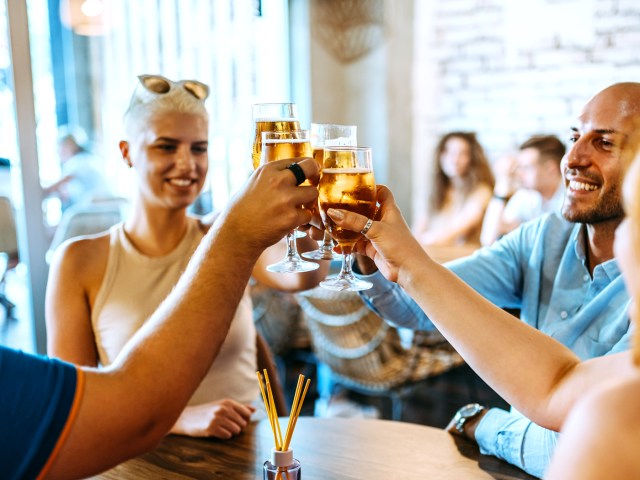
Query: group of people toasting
[[567, 364]]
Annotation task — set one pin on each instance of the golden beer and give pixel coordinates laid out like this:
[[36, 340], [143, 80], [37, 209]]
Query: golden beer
[[270, 125], [278, 149], [352, 189], [318, 155]]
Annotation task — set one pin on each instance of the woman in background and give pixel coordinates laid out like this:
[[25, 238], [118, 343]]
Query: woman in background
[[462, 184], [102, 288]]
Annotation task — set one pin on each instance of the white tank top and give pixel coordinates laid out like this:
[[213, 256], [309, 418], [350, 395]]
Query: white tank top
[[133, 287]]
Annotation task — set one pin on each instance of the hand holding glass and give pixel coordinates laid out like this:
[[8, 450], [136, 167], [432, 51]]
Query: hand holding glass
[[346, 183], [279, 146], [328, 134]]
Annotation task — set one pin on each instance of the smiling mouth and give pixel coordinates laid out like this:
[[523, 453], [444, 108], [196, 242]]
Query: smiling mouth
[[181, 182], [581, 186]]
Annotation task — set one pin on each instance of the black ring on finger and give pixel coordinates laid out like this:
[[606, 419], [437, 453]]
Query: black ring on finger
[[298, 172]]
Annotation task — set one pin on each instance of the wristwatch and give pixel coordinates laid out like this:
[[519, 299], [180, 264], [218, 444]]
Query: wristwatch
[[467, 412]]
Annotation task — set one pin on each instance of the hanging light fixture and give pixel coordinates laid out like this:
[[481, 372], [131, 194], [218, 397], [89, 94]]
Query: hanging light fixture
[[84, 17]]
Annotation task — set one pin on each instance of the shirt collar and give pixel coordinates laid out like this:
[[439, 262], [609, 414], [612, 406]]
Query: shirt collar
[[609, 269]]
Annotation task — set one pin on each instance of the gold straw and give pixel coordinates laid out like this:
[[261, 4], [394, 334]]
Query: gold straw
[[295, 419]]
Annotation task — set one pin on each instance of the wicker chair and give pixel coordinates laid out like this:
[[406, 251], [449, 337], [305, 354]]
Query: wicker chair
[[365, 353]]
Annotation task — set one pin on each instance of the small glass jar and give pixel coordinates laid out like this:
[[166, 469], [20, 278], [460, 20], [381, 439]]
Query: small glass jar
[[284, 464]]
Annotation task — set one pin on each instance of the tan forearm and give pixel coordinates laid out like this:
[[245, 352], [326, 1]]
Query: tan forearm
[[522, 364]]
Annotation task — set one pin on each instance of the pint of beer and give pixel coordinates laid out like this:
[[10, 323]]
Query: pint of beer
[[280, 145], [346, 183], [351, 188], [272, 117]]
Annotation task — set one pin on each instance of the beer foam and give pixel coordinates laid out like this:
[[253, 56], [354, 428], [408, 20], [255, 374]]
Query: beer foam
[[284, 140], [268, 119], [344, 171]]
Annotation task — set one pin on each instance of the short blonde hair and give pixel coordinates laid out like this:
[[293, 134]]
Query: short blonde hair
[[177, 97]]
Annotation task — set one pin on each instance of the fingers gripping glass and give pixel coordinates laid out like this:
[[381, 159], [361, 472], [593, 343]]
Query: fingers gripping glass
[[161, 85], [346, 183], [322, 135], [280, 146]]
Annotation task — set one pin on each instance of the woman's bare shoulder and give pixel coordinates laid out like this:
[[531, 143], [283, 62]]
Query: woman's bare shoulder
[[83, 255], [599, 439]]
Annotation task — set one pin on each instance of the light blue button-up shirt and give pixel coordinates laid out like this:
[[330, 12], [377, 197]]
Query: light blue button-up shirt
[[541, 269]]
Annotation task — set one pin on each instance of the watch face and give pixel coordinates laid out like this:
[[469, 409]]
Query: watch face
[[470, 410]]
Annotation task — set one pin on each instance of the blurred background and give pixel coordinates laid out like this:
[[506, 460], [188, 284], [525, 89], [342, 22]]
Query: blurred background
[[403, 71]]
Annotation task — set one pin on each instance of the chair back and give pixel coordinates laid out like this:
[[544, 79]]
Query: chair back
[[8, 232], [89, 218], [363, 351]]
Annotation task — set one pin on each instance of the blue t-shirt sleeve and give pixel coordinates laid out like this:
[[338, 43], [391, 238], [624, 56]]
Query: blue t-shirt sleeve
[[36, 398]]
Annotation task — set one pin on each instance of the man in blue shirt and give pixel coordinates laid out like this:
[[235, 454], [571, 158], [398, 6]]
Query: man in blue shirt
[[558, 270], [62, 421]]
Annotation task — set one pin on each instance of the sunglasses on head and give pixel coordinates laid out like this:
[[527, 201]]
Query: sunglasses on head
[[161, 85]]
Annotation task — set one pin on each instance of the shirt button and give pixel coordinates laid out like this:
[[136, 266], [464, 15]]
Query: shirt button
[[586, 277], [563, 314]]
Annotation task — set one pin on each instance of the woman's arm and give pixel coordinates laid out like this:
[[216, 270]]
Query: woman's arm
[[463, 222], [67, 306], [532, 371]]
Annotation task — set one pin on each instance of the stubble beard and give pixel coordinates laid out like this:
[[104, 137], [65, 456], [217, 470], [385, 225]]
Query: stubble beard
[[607, 208]]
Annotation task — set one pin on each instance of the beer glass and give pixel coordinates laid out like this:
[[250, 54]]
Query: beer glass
[[272, 117], [278, 146], [346, 183], [327, 134]]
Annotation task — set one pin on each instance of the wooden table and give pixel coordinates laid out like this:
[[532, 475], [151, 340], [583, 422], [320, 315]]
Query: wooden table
[[328, 449]]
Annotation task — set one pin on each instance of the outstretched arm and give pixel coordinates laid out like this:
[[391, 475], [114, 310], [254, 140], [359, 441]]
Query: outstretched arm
[[132, 404], [554, 377]]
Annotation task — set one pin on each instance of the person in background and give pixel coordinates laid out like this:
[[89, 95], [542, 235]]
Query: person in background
[[596, 403], [102, 288], [82, 178], [536, 178], [558, 270], [58, 420], [460, 191]]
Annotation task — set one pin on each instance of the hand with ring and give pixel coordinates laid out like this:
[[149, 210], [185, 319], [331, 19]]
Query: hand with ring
[[268, 206], [388, 240]]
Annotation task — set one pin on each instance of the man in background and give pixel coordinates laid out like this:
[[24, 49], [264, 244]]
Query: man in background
[[535, 176], [82, 179]]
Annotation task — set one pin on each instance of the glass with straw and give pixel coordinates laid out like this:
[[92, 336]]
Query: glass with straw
[[328, 134], [346, 183], [279, 146]]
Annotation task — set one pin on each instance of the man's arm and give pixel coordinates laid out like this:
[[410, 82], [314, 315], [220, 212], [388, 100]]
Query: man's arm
[[127, 408]]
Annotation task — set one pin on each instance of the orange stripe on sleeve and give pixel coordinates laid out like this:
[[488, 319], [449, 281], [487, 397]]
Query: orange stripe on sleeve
[[67, 427]]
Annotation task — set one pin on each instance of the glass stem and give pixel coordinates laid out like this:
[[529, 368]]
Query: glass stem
[[327, 242], [292, 248], [346, 263]]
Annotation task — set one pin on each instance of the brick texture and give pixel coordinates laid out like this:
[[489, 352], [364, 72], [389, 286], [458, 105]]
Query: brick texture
[[509, 69]]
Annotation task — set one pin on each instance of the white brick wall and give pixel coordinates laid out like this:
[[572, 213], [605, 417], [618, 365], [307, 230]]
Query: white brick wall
[[509, 69]]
